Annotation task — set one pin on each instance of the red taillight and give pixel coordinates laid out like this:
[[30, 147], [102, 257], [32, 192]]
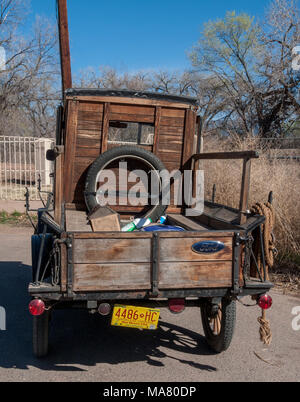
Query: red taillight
[[265, 301], [104, 309], [176, 305], [36, 307]]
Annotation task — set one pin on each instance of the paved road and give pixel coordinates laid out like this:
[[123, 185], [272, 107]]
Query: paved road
[[86, 348]]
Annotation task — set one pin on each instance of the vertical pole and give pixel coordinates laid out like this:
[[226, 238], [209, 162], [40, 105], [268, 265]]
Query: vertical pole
[[65, 57], [245, 191]]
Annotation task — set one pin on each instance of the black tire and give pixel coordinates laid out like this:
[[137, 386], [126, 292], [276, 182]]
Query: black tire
[[114, 154], [221, 341], [40, 334]]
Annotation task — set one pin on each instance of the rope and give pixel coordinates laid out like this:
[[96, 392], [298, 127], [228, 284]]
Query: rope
[[266, 210], [265, 329]]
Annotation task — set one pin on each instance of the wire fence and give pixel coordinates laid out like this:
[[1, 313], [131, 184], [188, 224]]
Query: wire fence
[[22, 163]]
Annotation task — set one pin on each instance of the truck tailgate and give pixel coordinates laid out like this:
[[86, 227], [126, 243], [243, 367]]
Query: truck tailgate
[[142, 261]]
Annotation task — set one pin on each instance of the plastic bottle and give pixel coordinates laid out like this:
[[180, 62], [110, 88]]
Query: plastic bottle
[[136, 224], [162, 220]]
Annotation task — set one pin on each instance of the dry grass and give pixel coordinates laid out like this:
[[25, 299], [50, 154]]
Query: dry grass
[[16, 219], [280, 176]]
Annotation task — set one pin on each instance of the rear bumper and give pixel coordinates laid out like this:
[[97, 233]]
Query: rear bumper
[[53, 293]]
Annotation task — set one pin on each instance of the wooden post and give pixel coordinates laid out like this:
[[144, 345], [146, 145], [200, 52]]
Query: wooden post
[[65, 58], [245, 190]]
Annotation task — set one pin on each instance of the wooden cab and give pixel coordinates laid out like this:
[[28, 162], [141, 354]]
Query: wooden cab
[[97, 120]]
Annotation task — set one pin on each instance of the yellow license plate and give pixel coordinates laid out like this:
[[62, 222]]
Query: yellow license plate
[[135, 317]]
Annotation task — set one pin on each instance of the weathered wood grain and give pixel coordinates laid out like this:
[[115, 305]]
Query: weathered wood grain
[[97, 251], [181, 250], [191, 275], [112, 277]]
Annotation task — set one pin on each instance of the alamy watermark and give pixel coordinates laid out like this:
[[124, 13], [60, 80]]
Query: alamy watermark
[[296, 320], [141, 188], [2, 319], [296, 58]]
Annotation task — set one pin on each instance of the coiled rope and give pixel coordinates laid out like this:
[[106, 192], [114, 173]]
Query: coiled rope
[[266, 210]]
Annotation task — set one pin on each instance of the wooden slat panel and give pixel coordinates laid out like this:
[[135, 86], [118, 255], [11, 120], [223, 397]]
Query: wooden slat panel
[[133, 110], [166, 156], [89, 134], [172, 131], [97, 251], [100, 277], [172, 122], [181, 250], [132, 113], [133, 118], [131, 101], [70, 148], [91, 107], [90, 125], [157, 130], [170, 139], [105, 127], [85, 152], [189, 133], [58, 192], [195, 275], [147, 147], [168, 112], [91, 142]]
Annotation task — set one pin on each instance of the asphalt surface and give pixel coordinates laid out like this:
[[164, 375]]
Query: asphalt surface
[[87, 348]]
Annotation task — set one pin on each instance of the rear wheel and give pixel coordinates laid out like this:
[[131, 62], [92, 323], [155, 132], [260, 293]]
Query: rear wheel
[[219, 323], [40, 334]]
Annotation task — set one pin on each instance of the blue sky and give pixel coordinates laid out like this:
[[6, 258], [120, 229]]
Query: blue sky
[[139, 34]]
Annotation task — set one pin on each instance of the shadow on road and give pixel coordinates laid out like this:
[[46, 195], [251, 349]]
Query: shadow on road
[[80, 339]]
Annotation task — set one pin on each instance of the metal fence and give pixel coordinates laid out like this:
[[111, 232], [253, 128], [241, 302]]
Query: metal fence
[[22, 162]]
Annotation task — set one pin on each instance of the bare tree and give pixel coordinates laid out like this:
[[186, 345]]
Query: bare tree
[[27, 84]]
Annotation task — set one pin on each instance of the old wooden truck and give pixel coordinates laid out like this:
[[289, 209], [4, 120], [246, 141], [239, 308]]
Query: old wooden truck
[[130, 276]]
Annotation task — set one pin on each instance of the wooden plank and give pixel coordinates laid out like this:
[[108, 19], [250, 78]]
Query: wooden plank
[[113, 235], [89, 134], [76, 221], [172, 122], [181, 250], [91, 107], [157, 130], [88, 142], [245, 191], [58, 189], [108, 250], [111, 277], [89, 125], [227, 155], [105, 127], [167, 156], [86, 152], [172, 131], [190, 275], [132, 101], [189, 132], [186, 223], [201, 236], [70, 150], [133, 110], [172, 112], [65, 57], [132, 118]]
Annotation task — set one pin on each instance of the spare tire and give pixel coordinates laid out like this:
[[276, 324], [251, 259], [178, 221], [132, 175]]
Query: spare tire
[[119, 153]]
